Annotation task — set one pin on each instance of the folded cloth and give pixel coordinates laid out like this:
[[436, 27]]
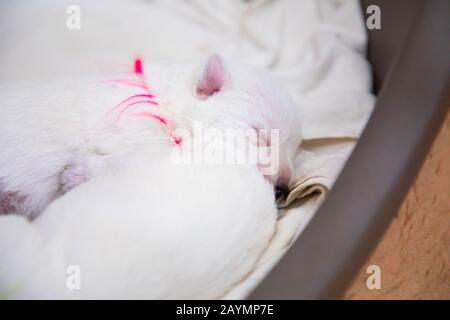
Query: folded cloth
[[315, 47]]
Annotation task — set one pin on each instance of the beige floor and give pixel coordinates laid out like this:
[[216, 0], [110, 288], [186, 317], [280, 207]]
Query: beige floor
[[414, 254]]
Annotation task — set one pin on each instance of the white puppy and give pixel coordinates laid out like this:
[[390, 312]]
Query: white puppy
[[55, 135], [150, 229]]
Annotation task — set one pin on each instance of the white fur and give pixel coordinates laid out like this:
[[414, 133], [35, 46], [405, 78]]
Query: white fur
[[151, 229], [45, 126], [137, 224]]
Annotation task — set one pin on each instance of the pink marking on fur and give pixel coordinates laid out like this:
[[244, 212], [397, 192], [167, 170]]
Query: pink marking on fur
[[128, 82], [177, 140], [153, 102], [138, 66], [142, 95], [127, 103], [134, 103], [147, 114], [139, 95]]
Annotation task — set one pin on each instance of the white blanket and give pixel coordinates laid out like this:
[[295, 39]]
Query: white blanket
[[316, 47]]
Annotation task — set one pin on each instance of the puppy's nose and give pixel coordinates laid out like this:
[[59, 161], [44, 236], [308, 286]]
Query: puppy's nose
[[281, 190]]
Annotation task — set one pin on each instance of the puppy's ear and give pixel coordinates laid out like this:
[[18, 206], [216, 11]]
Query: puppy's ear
[[212, 77]]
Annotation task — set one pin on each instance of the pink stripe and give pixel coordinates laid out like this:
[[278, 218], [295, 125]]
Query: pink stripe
[[138, 66], [132, 104], [152, 115], [141, 84], [128, 82], [143, 101], [177, 140], [142, 95]]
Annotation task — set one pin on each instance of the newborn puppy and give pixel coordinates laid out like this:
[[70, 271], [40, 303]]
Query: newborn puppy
[[149, 230], [55, 135]]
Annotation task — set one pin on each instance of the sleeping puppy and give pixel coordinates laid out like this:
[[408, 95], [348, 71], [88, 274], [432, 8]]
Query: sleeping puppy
[[56, 135], [151, 229]]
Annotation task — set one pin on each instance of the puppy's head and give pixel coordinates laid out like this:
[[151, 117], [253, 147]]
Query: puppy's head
[[232, 95]]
